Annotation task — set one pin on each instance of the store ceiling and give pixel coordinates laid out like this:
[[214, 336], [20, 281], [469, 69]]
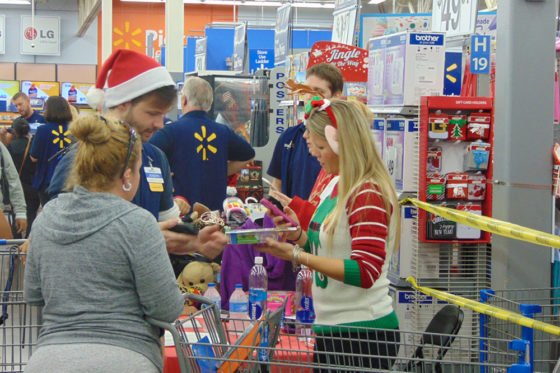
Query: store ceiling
[[88, 9]]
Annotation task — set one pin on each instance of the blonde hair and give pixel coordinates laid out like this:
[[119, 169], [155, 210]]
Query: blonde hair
[[359, 161], [102, 151]]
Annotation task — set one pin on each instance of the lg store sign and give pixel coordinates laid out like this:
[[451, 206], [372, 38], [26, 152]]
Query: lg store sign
[[42, 38]]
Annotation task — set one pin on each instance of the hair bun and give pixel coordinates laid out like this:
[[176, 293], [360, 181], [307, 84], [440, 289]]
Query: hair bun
[[91, 129]]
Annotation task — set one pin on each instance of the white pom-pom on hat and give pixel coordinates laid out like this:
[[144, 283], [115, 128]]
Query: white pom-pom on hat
[[95, 97]]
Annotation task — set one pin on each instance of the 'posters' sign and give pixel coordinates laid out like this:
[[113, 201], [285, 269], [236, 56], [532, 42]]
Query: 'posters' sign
[[42, 37], [352, 61]]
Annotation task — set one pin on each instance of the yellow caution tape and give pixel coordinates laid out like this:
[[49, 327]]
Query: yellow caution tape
[[487, 309], [491, 225]]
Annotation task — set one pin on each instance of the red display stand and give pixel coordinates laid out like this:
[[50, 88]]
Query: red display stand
[[437, 115]]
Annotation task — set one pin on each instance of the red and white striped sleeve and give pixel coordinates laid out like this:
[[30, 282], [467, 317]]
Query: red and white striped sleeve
[[367, 219]]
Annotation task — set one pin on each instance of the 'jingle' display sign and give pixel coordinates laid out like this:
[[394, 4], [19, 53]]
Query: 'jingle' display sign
[[352, 61]]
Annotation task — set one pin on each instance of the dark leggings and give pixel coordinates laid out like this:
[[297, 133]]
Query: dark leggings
[[340, 349]]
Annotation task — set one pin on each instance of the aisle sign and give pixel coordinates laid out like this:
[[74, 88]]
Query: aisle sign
[[282, 34], [239, 47], [42, 37], [344, 23], [454, 17], [453, 74], [480, 54], [200, 54]]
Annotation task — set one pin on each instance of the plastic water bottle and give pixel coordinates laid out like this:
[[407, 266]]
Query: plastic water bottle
[[238, 307], [212, 294], [305, 314], [258, 286]]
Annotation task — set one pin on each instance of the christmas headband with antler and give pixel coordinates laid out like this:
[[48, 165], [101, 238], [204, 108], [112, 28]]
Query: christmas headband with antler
[[331, 131]]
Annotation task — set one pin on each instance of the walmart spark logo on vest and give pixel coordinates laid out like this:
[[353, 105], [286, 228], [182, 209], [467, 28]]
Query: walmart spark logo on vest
[[205, 142], [60, 137]]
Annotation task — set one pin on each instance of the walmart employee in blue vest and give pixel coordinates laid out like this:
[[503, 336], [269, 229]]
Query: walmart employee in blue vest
[[201, 152], [139, 91]]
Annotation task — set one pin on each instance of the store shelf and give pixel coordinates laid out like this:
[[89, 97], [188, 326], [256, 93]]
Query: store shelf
[[290, 103], [399, 109]]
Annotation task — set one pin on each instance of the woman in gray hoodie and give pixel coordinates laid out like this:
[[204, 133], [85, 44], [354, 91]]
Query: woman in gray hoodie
[[97, 264]]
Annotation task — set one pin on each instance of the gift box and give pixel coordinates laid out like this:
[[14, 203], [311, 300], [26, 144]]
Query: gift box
[[456, 185], [464, 232], [435, 188], [434, 159], [244, 193], [477, 188], [457, 128], [477, 156], [478, 127], [439, 228], [438, 124]]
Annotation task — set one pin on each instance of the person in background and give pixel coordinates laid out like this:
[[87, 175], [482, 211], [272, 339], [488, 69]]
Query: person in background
[[293, 168], [140, 91], [23, 105], [19, 150], [202, 153], [49, 140], [350, 239], [97, 264], [10, 185], [327, 80]]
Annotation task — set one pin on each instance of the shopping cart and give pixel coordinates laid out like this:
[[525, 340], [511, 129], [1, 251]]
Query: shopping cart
[[207, 343], [19, 322], [543, 304]]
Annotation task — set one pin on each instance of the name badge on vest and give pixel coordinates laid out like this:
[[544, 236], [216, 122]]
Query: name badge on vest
[[154, 178]]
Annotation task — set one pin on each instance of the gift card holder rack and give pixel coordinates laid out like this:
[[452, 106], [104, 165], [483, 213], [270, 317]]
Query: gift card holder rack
[[452, 157]]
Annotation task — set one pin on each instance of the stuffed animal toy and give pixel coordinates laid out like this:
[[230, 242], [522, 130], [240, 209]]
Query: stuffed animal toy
[[195, 278]]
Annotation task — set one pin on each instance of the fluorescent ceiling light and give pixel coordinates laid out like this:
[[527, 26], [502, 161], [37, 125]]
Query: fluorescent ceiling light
[[15, 2], [376, 1], [243, 3]]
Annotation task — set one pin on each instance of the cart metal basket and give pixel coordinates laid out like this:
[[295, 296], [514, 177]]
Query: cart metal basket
[[543, 305], [207, 343], [19, 322]]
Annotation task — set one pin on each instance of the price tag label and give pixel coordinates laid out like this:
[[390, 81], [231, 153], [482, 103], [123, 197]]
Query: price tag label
[[454, 17], [480, 54]]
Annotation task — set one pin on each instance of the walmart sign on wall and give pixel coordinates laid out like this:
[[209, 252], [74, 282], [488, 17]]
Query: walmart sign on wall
[[40, 38]]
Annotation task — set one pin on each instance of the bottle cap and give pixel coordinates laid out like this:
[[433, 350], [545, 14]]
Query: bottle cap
[[258, 260], [239, 286], [211, 284]]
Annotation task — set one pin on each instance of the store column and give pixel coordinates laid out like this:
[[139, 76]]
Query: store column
[[106, 29], [174, 36], [523, 139]]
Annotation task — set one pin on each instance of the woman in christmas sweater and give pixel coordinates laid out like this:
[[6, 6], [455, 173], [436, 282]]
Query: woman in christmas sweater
[[350, 240]]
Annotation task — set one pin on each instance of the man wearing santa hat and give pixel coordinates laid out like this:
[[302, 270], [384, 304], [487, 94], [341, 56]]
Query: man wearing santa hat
[[136, 89]]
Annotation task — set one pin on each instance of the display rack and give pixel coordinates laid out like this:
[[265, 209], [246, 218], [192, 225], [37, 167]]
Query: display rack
[[452, 157]]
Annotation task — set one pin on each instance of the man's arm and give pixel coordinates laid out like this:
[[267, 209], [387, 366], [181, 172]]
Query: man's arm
[[236, 166], [15, 190], [210, 242]]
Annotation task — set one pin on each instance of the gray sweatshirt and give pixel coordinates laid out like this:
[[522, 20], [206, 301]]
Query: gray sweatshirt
[[17, 199], [98, 265]]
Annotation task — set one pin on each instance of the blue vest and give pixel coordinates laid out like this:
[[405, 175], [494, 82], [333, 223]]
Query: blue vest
[[49, 139], [293, 164], [198, 150], [145, 198], [154, 202]]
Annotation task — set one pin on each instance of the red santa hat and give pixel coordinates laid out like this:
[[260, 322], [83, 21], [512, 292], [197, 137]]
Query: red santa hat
[[126, 75]]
